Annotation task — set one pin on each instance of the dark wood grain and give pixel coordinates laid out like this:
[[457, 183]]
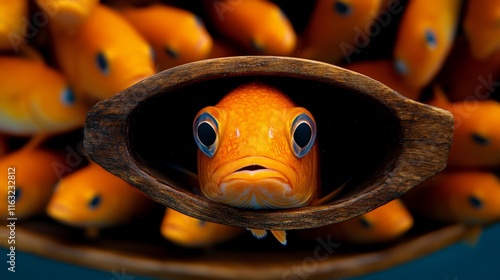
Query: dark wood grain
[[419, 147]]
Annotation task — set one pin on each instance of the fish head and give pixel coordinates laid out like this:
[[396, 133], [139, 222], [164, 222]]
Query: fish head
[[257, 150], [482, 27], [68, 13]]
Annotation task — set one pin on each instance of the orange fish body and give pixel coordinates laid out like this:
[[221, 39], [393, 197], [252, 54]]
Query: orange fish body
[[105, 56], [35, 98], [425, 36], [383, 224], [257, 150], [482, 27], [258, 25], [471, 197], [12, 14], [333, 27], [68, 15], [34, 178], [383, 71], [476, 138], [178, 36], [187, 231], [92, 198]]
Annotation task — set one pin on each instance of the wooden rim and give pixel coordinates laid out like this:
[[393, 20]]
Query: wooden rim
[[426, 135]]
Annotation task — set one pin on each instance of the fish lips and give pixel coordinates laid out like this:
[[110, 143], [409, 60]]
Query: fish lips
[[251, 183]]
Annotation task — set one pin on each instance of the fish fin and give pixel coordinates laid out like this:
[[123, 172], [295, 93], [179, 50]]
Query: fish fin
[[473, 236], [280, 235], [92, 233], [333, 194], [258, 233], [439, 98]]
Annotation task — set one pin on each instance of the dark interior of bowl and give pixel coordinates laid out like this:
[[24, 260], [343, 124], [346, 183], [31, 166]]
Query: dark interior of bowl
[[358, 137]]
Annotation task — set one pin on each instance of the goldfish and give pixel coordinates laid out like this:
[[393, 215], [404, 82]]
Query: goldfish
[[462, 196], [92, 198], [105, 55], [383, 224], [258, 25], [424, 39], [13, 20], [482, 27], [334, 27], [257, 150], [36, 99], [382, 71], [476, 138], [178, 36], [187, 231], [67, 15], [29, 178]]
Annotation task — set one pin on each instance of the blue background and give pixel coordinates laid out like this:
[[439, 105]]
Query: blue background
[[457, 262]]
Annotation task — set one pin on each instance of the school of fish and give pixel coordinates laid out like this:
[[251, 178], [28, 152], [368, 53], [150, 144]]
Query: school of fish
[[256, 149]]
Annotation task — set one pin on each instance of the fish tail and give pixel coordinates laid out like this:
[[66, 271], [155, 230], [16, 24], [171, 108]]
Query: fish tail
[[280, 235], [258, 233]]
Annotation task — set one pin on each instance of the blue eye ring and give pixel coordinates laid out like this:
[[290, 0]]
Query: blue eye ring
[[303, 135], [401, 67], [202, 223], [365, 223], [95, 201], [17, 194], [475, 202], [430, 38], [342, 8], [171, 52], [480, 140], [206, 133], [102, 63], [68, 97]]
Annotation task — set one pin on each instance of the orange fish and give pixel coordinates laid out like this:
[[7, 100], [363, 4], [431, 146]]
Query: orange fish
[[105, 56], [258, 25], [187, 231], [466, 196], [334, 27], [257, 150], [178, 36], [67, 15], [476, 139], [92, 198], [35, 99], [13, 20], [29, 178], [482, 27], [424, 39], [383, 224], [383, 71]]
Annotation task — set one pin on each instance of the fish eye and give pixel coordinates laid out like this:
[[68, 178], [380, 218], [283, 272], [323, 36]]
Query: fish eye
[[257, 46], [68, 97], [102, 63], [202, 223], [430, 38], [18, 193], [342, 8], [199, 21], [303, 135], [365, 223], [205, 129], [95, 201], [171, 52], [475, 202], [480, 140], [400, 67]]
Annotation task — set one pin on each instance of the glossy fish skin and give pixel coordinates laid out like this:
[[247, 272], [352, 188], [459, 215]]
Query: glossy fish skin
[[12, 13], [68, 15], [92, 198], [383, 224], [383, 71], [254, 165], [464, 196], [334, 23], [34, 178], [178, 36], [189, 232], [258, 25], [476, 138], [424, 39], [95, 58], [482, 27], [35, 98]]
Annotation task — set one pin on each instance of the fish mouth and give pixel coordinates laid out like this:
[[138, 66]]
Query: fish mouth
[[60, 212], [256, 183]]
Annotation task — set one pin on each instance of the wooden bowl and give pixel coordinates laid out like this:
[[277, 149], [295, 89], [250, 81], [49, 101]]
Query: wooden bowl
[[390, 143]]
